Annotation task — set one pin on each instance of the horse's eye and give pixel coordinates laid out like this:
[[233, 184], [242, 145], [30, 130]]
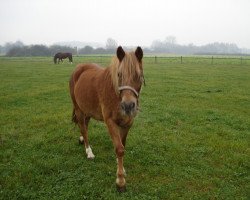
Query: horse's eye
[[119, 74]]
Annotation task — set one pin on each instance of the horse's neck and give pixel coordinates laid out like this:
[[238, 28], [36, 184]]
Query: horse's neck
[[107, 76], [106, 80]]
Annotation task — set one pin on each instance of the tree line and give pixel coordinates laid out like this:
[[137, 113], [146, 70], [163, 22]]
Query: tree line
[[169, 46], [19, 49]]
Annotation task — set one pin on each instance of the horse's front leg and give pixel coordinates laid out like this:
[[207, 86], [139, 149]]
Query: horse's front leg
[[123, 135], [114, 131]]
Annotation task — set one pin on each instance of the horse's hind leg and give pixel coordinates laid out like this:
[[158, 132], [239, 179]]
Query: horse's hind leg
[[83, 125]]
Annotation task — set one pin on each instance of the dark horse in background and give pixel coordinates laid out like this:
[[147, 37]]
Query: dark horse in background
[[60, 56]]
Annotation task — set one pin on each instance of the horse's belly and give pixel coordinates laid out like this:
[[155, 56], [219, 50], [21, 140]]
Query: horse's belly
[[89, 109]]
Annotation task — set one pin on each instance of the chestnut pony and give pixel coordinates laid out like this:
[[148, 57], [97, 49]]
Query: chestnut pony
[[111, 95]]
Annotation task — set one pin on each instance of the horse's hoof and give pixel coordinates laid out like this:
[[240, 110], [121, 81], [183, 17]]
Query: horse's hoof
[[121, 189], [91, 157], [80, 142]]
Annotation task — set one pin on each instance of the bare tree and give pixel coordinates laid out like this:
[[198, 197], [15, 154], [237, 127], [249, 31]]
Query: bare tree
[[170, 39], [111, 44]]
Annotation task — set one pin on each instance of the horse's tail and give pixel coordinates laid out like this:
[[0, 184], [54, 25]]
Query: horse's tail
[[70, 58], [55, 58], [71, 88], [74, 118]]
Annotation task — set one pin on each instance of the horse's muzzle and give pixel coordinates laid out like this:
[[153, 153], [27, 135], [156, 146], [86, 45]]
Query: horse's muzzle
[[128, 108]]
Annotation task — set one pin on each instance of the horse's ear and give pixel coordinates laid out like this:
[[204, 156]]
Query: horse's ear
[[139, 53], [120, 53]]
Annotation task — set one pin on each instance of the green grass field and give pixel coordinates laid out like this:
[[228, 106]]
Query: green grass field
[[190, 140]]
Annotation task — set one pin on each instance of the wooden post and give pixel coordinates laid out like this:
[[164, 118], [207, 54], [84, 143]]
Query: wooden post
[[155, 59], [76, 50], [212, 60], [181, 59]]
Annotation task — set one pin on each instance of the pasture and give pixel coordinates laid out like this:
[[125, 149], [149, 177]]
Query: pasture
[[189, 141]]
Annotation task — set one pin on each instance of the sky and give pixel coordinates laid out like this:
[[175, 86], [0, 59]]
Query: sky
[[129, 22]]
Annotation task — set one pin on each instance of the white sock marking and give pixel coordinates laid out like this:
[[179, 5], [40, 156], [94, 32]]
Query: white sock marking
[[81, 139], [124, 171], [89, 153]]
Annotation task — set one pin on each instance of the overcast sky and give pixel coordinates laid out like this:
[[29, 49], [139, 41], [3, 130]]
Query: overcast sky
[[129, 22]]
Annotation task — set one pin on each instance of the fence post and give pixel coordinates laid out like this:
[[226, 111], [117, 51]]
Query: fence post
[[155, 59], [212, 60], [76, 50], [181, 59]]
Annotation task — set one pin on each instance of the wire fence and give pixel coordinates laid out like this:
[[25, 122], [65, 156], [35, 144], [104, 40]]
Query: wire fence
[[202, 59], [105, 59], [210, 60]]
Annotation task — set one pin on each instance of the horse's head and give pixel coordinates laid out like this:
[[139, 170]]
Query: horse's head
[[128, 78]]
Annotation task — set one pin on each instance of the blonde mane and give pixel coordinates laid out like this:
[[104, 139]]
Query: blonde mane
[[129, 69]]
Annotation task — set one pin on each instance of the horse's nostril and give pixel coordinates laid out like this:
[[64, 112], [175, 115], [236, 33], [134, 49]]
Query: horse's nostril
[[123, 105], [132, 105]]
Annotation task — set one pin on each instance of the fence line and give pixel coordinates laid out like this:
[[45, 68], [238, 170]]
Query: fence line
[[178, 59], [194, 59]]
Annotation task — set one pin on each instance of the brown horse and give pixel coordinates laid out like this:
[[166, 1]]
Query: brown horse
[[111, 95]]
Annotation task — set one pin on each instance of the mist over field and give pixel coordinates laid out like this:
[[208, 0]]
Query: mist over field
[[167, 46], [147, 23]]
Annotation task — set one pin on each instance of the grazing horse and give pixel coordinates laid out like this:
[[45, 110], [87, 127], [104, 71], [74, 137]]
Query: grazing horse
[[111, 95], [61, 56]]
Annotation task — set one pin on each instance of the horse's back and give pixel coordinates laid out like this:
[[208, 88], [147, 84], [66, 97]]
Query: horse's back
[[58, 54], [83, 69]]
